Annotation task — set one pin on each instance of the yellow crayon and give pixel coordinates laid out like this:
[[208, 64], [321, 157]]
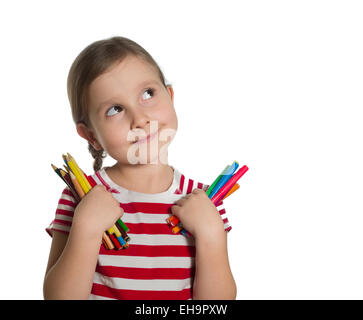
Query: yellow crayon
[[78, 176], [114, 230], [80, 172]]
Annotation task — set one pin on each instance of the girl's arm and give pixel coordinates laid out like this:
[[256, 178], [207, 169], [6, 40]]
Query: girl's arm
[[71, 266], [213, 278], [73, 259]]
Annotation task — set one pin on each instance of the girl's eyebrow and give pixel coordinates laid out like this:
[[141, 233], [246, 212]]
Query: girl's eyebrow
[[111, 100]]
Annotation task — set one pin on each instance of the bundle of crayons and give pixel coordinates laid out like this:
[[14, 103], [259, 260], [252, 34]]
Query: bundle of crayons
[[80, 184], [220, 189]]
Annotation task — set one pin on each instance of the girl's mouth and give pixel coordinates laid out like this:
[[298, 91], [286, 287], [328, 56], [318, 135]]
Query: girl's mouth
[[147, 139]]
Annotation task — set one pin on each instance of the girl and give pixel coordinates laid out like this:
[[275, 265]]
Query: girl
[[116, 90]]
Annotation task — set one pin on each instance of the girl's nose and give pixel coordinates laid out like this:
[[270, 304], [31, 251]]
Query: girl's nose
[[139, 118]]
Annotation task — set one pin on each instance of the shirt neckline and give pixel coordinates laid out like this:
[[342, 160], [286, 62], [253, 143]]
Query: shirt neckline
[[171, 190]]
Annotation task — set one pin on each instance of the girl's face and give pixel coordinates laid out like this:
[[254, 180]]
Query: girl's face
[[130, 98]]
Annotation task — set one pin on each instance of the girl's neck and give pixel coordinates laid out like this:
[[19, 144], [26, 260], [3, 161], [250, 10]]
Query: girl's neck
[[144, 178]]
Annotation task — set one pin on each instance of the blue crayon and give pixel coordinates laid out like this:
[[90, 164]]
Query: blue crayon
[[121, 240]]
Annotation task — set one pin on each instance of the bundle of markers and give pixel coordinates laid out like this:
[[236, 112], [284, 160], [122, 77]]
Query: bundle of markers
[[80, 184], [221, 188]]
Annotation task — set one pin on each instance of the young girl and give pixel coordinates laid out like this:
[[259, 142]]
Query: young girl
[[116, 89]]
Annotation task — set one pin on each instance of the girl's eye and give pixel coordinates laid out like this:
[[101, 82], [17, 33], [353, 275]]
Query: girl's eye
[[148, 93], [114, 110]]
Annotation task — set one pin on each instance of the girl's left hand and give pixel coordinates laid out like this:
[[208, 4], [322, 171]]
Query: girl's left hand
[[198, 214]]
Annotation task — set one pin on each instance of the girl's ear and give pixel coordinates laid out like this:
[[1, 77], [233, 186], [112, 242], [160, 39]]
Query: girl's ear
[[88, 135], [171, 92]]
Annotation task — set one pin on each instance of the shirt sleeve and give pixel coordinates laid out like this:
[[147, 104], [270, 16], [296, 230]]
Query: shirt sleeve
[[64, 213], [222, 212]]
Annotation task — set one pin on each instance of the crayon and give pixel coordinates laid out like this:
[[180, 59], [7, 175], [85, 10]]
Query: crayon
[[123, 226], [118, 235], [80, 184], [67, 181], [115, 241], [82, 175], [107, 241], [117, 232], [70, 185], [111, 230], [78, 177], [123, 233], [57, 172], [76, 184], [121, 240], [88, 183]]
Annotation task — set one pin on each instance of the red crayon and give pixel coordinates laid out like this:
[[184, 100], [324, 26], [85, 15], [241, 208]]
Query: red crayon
[[115, 241]]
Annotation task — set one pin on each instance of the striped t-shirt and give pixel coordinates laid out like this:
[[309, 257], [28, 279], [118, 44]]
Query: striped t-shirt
[[158, 264]]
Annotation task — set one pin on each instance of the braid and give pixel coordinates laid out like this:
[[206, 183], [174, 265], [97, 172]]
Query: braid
[[98, 155]]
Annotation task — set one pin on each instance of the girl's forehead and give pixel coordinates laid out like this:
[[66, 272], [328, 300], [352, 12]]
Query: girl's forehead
[[129, 70]]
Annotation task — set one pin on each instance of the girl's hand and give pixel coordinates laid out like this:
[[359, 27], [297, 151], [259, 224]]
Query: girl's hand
[[198, 214], [97, 211]]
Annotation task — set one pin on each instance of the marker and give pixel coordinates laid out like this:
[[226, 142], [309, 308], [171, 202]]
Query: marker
[[228, 185], [224, 178], [176, 229], [172, 220], [233, 189], [216, 181]]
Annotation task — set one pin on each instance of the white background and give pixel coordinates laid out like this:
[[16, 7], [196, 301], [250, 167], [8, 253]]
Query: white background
[[275, 85]]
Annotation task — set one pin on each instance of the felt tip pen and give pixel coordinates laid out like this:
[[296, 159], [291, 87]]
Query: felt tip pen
[[224, 178], [228, 185]]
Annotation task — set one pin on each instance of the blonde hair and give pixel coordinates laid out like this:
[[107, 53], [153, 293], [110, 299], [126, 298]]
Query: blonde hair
[[93, 61]]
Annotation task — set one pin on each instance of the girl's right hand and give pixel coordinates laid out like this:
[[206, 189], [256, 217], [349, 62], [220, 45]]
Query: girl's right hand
[[97, 211]]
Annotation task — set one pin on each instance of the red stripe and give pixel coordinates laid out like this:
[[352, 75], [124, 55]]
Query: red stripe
[[91, 181], [62, 222], [64, 212], [105, 183], [149, 228], [200, 185], [67, 202], [190, 186], [55, 229], [104, 291], [67, 192], [136, 250], [146, 207], [222, 211], [145, 273], [181, 185]]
